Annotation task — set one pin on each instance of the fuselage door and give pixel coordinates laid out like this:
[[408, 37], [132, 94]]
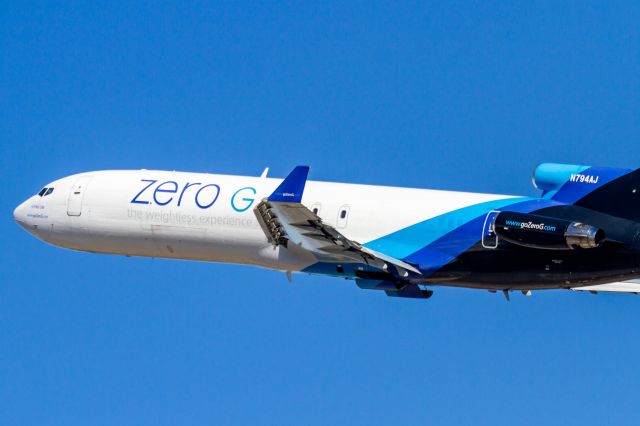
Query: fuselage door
[[489, 237], [74, 202]]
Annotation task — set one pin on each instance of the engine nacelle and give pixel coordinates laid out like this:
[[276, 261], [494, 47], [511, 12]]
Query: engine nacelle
[[545, 232]]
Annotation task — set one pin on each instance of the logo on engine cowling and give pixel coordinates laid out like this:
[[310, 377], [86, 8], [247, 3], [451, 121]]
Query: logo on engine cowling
[[530, 225]]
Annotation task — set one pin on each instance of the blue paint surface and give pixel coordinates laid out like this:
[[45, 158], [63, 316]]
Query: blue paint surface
[[571, 192], [549, 177], [292, 187]]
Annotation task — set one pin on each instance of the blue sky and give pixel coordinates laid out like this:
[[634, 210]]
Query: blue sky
[[449, 95]]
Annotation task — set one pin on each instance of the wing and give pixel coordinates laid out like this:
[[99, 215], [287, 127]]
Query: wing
[[286, 221], [631, 287]]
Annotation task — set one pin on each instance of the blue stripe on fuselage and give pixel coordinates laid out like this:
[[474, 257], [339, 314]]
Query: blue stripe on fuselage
[[451, 245], [406, 241]]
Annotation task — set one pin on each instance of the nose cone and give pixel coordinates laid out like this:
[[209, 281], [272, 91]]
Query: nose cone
[[20, 214]]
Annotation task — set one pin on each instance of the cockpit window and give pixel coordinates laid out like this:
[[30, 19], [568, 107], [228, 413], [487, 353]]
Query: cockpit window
[[45, 191]]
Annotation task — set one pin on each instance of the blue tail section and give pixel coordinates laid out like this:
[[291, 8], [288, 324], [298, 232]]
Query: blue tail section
[[618, 197], [292, 187], [608, 190]]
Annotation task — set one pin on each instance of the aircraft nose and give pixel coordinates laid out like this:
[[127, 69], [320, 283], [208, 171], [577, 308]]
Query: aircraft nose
[[20, 214]]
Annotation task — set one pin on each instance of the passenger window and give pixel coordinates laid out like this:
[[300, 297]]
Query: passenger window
[[49, 191], [316, 208], [343, 217], [41, 193]]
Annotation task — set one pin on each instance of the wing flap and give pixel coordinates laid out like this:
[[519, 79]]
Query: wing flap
[[285, 220]]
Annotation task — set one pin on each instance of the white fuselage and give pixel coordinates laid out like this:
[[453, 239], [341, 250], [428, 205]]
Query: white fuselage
[[210, 217]]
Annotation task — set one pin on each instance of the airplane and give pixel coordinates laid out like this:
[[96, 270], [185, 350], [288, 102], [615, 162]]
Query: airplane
[[581, 233]]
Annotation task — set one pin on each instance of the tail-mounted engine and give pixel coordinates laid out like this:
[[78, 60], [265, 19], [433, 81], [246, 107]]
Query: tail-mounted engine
[[539, 232]]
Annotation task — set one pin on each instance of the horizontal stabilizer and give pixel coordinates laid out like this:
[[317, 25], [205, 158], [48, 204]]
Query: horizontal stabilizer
[[630, 287]]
